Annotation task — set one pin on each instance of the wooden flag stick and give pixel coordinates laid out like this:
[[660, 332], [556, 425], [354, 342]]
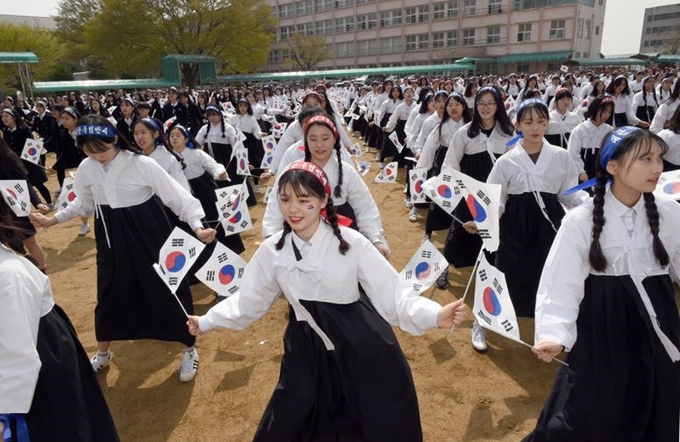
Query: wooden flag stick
[[158, 270]]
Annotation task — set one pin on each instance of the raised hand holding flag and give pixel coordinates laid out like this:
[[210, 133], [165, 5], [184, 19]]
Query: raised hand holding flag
[[176, 257], [424, 267], [388, 174], [223, 271], [15, 193], [32, 151]]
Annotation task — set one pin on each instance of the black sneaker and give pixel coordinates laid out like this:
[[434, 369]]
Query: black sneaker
[[443, 282]]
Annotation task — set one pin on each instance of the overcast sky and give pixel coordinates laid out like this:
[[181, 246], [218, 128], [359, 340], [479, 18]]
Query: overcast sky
[[622, 24]]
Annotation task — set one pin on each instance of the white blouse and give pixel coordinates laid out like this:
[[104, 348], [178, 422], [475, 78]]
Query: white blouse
[[628, 251], [354, 191], [130, 179], [199, 162], [212, 133], [673, 141], [434, 141], [623, 104], [170, 164], [462, 144], [586, 136], [291, 135], [247, 124], [431, 121], [561, 124], [25, 297], [322, 275], [554, 172], [402, 112], [664, 113]]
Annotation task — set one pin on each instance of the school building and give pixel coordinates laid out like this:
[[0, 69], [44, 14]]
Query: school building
[[661, 30], [498, 36]]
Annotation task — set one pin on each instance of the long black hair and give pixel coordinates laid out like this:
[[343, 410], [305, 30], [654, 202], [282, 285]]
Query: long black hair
[[304, 183], [466, 111], [336, 146], [635, 144], [154, 125], [501, 116]]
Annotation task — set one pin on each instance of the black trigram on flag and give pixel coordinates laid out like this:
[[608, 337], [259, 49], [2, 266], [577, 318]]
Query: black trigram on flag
[[408, 274], [417, 286], [426, 254], [436, 267], [483, 197], [240, 272], [244, 224], [507, 325], [498, 286], [23, 205], [192, 252], [19, 188], [223, 209], [460, 184], [484, 233], [456, 190], [446, 203], [178, 242], [10, 201], [222, 257], [482, 275], [69, 186], [210, 275], [223, 194], [446, 178], [233, 289], [231, 228], [173, 280]]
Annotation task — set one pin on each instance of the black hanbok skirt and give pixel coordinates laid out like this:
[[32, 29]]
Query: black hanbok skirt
[[558, 139], [68, 403], [620, 120], [437, 218], [361, 391], [621, 385], [132, 301], [34, 173], [525, 240]]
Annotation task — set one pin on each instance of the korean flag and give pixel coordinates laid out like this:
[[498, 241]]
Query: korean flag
[[32, 151], [15, 194], [388, 174], [669, 185], [355, 150], [483, 201], [395, 140], [269, 145], [176, 257], [67, 194], [267, 194], [233, 210], [417, 178], [363, 168], [493, 307], [444, 191], [424, 267], [223, 271], [242, 160]]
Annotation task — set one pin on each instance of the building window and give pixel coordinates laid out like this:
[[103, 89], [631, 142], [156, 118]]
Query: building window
[[597, 30], [553, 67], [445, 10], [589, 24], [306, 28], [444, 39], [367, 47], [323, 5], [493, 34], [390, 18], [522, 67], [304, 7], [285, 32], [419, 41], [343, 3], [344, 49], [345, 24], [581, 25], [586, 55], [495, 6], [470, 7], [557, 29], [468, 37], [418, 14], [366, 21], [390, 45], [524, 32], [361, 2], [324, 27]]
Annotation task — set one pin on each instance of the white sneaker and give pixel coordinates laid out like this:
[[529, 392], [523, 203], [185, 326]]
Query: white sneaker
[[257, 188], [98, 362], [478, 337], [408, 203], [83, 230], [189, 366], [381, 165], [413, 215]]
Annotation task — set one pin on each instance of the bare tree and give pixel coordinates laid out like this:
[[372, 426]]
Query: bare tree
[[307, 51]]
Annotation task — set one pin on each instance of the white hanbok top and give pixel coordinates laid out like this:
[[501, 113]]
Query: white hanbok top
[[434, 141], [585, 136], [561, 124], [664, 113], [170, 164], [323, 275], [673, 141], [462, 144], [402, 112], [199, 162]]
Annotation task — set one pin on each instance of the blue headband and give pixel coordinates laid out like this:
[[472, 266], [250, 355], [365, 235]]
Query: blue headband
[[189, 144], [521, 106], [212, 108], [96, 130], [152, 123], [606, 153]]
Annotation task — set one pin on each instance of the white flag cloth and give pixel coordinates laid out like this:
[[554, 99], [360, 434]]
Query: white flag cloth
[[178, 254], [363, 167], [483, 201], [223, 271], [113, 121], [417, 178], [113, 108], [232, 208], [395, 140], [242, 161], [510, 104], [168, 123], [267, 194], [32, 151], [388, 174], [669, 185], [67, 193], [424, 267], [241, 136], [355, 151], [493, 307], [564, 68], [443, 190], [269, 145], [15, 194]]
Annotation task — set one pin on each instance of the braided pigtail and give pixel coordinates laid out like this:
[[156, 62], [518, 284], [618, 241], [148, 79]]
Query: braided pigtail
[[653, 216], [337, 192], [333, 221], [597, 259], [224, 129], [286, 230]]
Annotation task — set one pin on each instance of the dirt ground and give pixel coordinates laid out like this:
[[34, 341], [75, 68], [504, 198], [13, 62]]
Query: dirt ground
[[464, 395]]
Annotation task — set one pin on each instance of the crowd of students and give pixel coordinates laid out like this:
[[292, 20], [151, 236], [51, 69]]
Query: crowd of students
[[577, 158]]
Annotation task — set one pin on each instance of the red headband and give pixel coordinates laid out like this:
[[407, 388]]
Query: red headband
[[323, 120]]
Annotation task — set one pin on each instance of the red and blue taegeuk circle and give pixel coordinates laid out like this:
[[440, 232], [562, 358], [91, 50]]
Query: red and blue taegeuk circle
[[672, 188], [235, 218], [476, 210], [491, 303], [444, 191], [175, 261], [227, 274], [423, 270]]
